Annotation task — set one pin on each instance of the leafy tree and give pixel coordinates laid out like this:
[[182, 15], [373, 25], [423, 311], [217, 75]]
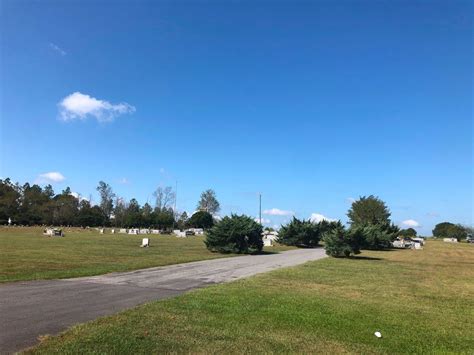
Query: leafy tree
[[235, 234], [208, 202], [33, 205], [65, 208], [442, 230], [89, 216], [163, 219], [376, 236], [340, 242], [450, 230], [146, 215], [182, 220], [9, 200], [369, 210], [201, 219], [458, 232], [48, 191], [106, 199], [409, 232], [120, 212], [303, 233], [132, 214], [165, 198]]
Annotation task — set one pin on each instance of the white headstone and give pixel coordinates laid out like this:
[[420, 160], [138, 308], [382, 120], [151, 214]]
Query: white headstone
[[145, 243], [9, 221]]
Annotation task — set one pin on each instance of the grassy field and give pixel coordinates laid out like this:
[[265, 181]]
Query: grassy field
[[421, 301], [27, 255]]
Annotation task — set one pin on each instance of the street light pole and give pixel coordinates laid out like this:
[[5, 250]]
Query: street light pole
[[260, 208]]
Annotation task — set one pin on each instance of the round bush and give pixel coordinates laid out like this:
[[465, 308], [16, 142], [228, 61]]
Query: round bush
[[235, 234]]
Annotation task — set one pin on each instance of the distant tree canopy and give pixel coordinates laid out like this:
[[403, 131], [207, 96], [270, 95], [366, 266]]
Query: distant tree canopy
[[34, 205], [208, 202], [201, 219], [450, 230], [235, 234], [409, 232], [368, 210]]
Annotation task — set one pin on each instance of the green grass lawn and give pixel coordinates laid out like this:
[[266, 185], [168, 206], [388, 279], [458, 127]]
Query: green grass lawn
[[422, 302], [28, 255]]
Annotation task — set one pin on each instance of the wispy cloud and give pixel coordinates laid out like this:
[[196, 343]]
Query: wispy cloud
[[278, 212], [78, 106], [51, 177], [124, 181], [317, 217], [411, 223], [57, 49]]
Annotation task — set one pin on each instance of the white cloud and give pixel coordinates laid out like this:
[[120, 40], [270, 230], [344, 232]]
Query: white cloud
[[78, 106], [78, 196], [124, 181], [264, 220], [50, 177], [278, 212], [57, 49], [411, 223], [317, 217]]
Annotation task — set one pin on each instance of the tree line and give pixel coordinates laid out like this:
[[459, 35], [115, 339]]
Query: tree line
[[35, 205], [370, 227]]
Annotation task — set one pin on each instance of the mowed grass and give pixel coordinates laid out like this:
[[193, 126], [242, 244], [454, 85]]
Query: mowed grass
[[28, 255], [421, 301]]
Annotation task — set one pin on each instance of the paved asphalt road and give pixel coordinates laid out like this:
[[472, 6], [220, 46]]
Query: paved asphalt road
[[33, 308]]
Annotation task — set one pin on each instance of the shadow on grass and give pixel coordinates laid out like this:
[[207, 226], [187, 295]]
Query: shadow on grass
[[364, 258]]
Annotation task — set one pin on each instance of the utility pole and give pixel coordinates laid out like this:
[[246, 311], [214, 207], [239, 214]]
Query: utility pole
[[260, 208], [175, 196], [174, 209]]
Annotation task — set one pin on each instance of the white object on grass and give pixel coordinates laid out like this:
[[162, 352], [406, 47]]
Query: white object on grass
[[378, 334], [145, 243]]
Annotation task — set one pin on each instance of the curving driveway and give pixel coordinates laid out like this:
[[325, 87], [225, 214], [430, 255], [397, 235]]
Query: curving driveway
[[33, 308]]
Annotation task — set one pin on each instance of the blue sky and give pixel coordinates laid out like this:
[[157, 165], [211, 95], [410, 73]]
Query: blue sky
[[310, 103]]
